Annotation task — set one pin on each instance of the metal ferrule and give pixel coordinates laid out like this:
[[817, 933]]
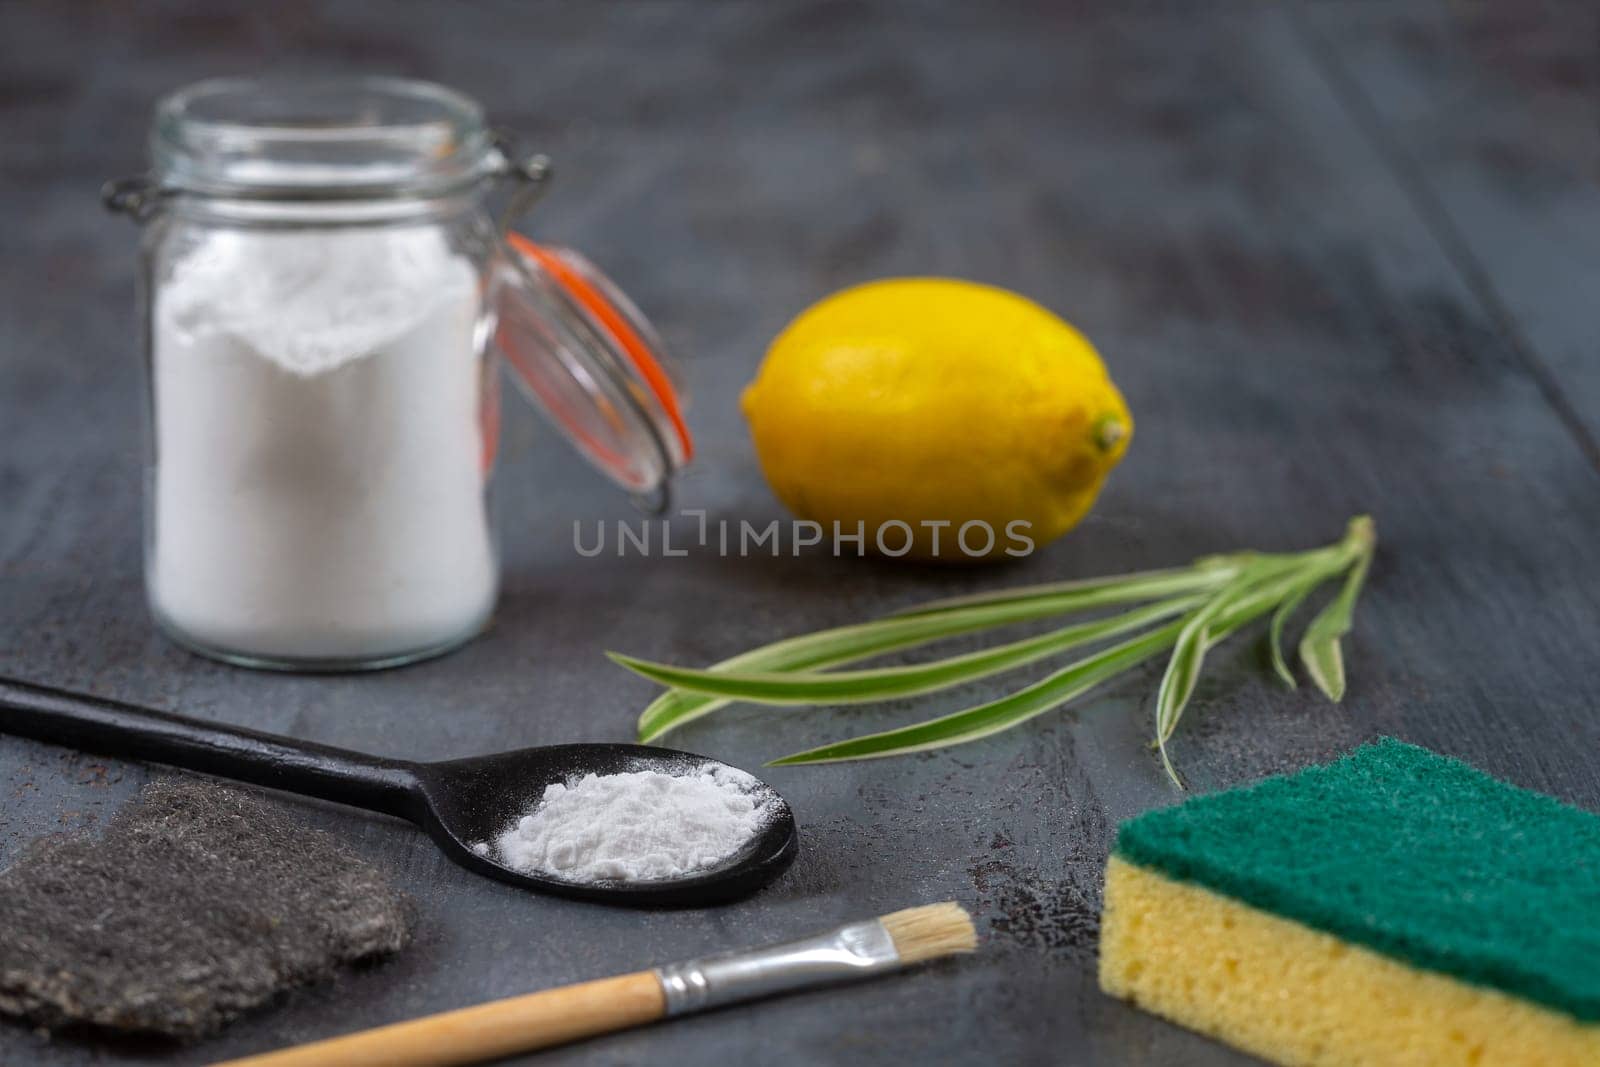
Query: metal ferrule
[[858, 950]]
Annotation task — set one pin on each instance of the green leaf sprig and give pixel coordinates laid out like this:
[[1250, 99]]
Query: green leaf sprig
[[1187, 610]]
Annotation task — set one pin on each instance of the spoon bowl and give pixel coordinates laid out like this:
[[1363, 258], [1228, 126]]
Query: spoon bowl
[[471, 802], [461, 803]]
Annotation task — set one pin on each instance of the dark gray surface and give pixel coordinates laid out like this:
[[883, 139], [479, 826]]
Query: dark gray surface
[[1300, 333], [1487, 113]]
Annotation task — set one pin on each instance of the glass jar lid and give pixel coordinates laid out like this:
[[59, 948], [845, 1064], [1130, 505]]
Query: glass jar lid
[[582, 352]]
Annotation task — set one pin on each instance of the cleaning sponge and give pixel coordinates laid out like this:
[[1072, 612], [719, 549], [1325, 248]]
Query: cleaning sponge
[[1392, 907]]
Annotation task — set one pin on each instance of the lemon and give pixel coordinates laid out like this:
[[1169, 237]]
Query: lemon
[[944, 418]]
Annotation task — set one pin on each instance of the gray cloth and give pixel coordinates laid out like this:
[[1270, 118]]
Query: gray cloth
[[197, 903]]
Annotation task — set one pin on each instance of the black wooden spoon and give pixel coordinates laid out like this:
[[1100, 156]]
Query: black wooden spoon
[[461, 803]]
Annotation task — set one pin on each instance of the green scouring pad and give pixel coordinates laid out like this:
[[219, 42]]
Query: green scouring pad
[[197, 903], [1393, 907]]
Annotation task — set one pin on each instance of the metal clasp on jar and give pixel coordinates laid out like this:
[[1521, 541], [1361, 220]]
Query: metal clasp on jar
[[531, 173], [138, 196]]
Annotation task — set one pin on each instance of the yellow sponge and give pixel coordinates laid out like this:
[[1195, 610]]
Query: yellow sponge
[[1394, 907], [1298, 996]]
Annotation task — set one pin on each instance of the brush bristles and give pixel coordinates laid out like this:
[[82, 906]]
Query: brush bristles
[[931, 931]]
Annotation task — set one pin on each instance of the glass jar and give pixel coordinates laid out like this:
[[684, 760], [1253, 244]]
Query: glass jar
[[321, 283]]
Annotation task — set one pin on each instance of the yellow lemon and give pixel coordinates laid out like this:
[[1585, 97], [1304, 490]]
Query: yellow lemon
[[943, 418]]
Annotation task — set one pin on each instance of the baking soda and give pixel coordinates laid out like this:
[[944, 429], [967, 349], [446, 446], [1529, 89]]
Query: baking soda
[[638, 825], [320, 466]]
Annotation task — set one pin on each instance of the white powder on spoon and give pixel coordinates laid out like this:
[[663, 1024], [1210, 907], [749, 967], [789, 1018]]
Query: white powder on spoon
[[638, 825]]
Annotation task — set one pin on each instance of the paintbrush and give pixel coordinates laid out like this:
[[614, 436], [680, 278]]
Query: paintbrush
[[555, 1016]]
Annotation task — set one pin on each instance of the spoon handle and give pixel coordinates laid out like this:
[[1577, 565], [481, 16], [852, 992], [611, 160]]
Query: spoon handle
[[112, 728]]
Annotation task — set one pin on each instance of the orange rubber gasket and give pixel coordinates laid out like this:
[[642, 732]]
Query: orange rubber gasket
[[633, 345]]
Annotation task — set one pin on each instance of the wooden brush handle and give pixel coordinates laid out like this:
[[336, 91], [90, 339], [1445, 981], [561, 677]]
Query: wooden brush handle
[[487, 1031]]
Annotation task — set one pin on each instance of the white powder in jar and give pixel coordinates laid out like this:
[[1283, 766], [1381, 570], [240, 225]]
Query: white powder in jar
[[319, 471], [638, 825]]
